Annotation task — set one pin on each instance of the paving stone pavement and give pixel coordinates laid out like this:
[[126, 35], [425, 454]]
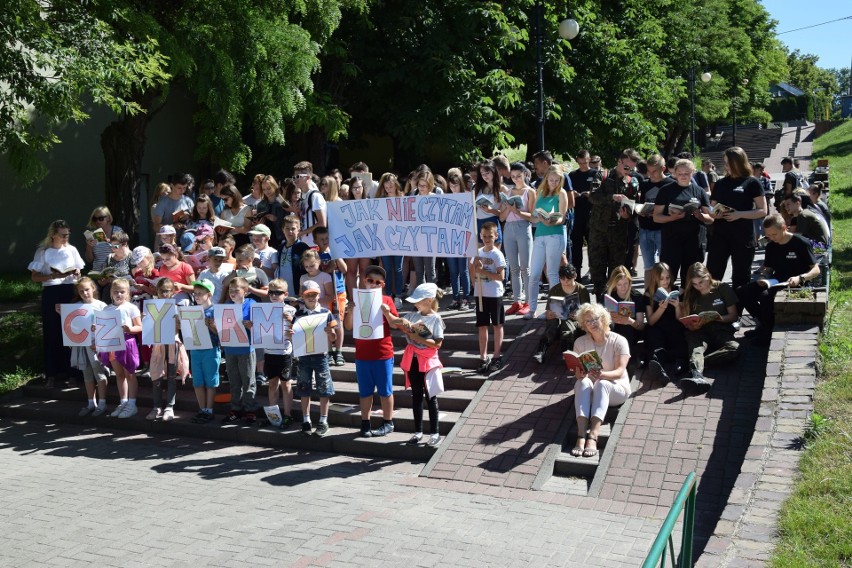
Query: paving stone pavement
[[74, 496]]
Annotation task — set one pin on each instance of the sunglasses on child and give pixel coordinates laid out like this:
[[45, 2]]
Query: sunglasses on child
[[276, 292]]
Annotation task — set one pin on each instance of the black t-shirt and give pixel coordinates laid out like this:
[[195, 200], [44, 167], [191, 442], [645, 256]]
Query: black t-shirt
[[738, 193], [582, 183], [636, 297], [688, 227], [648, 191], [791, 259]]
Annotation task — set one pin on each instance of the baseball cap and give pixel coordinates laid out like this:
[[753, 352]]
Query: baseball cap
[[203, 231], [167, 230], [261, 229], [217, 252], [310, 287], [427, 290], [138, 255], [206, 284]]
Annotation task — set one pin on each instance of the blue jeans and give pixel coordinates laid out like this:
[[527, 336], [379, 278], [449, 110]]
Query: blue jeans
[[547, 251], [459, 277], [393, 268], [649, 244], [517, 242]]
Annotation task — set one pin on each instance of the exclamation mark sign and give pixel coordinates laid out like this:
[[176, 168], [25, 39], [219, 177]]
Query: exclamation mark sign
[[364, 304]]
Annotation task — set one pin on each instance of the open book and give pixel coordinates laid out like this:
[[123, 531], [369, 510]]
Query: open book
[[624, 308], [564, 306], [700, 318], [643, 209], [588, 360], [547, 215], [222, 226], [97, 234], [688, 208], [661, 295], [516, 200], [484, 201], [772, 283], [720, 209], [106, 272]]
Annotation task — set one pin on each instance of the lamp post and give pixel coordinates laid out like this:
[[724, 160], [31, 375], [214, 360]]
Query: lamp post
[[705, 77], [736, 104], [568, 29]]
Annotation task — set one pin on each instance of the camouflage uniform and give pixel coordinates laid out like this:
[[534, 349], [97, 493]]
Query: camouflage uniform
[[607, 230]]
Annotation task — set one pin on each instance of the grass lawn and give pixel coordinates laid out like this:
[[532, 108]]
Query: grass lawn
[[18, 287], [815, 526]]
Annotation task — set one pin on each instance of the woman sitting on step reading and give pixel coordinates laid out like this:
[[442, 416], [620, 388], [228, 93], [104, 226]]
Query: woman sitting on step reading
[[598, 388]]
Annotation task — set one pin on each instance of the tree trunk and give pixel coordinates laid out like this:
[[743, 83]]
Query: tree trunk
[[123, 145]]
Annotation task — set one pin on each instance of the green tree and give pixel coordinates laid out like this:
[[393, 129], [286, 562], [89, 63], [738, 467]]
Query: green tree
[[55, 57], [820, 85]]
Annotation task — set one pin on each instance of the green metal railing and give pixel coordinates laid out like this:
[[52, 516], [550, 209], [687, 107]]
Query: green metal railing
[[685, 501]]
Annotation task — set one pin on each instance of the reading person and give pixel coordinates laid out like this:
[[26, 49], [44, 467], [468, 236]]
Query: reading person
[[598, 388], [562, 326], [789, 260]]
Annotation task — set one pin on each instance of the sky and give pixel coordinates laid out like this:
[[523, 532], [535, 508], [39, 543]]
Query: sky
[[826, 41]]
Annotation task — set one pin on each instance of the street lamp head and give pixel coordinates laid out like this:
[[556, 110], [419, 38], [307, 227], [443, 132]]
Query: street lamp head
[[745, 82], [568, 29], [705, 77]]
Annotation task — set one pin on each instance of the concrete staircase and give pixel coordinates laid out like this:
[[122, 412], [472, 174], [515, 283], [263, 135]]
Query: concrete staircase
[[459, 353]]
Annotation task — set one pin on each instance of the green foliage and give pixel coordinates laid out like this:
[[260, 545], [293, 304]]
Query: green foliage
[[821, 86], [18, 287], [814, 525], [20, 341], [62, 50]]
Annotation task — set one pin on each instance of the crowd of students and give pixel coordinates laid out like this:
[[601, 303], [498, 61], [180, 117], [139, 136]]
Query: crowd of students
[[216, 245]]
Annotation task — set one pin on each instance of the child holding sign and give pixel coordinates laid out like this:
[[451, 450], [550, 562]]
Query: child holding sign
[[315, 363], [85, 358], [240, 361], [279, 362], [424, 331], [205, 362], [169, 361], [124, 362]]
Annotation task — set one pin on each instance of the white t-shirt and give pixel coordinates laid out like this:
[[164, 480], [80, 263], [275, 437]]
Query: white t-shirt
[[613, 347], [317, 203], [267, 256], [128, 311], [492, 261], [60, 258], [216, 278]]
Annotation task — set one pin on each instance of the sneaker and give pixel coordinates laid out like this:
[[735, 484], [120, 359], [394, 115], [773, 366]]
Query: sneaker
[[250, 418], [128, 411], [514, 308], [306, 428], [525, 309], [657, 372], [434, 440], [465, 305], [496, 365], [232, 416], [696, 383], [208, 417], [199, 418], [539, 357], [118, 410], [322, 429], [261, 380], [483, 366], [99, 410], [385, 429], [415, 439], [155, 414], [365, 429], [86, 410], [285, 422], [168, 414], [338, 358], [456, 305]]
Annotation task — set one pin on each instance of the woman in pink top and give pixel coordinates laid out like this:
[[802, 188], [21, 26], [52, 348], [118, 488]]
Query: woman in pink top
[[517, 235]]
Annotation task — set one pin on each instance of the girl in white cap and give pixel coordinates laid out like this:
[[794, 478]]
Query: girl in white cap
[[424, 331]]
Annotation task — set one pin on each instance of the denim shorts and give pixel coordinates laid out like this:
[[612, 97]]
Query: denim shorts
[[310, 366], [374, 376]]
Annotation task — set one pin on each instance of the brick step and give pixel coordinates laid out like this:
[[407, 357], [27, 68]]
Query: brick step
[[454, 353], [567, 465], [345, 393], [342, 438]]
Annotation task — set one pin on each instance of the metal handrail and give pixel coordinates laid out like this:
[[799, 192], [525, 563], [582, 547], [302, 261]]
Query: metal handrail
[[685, 501]]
